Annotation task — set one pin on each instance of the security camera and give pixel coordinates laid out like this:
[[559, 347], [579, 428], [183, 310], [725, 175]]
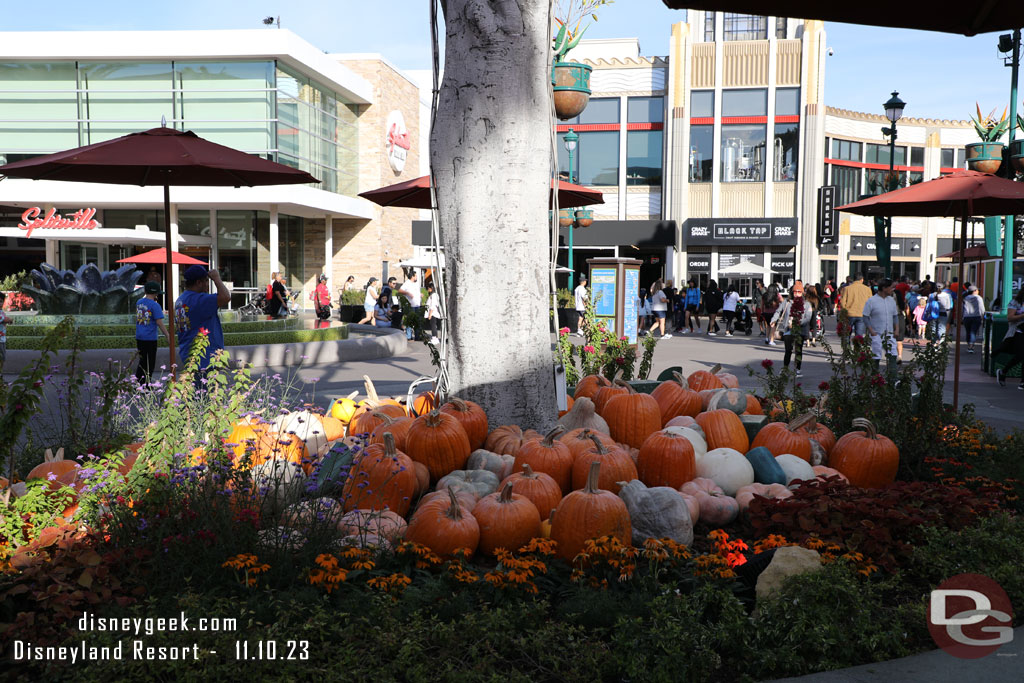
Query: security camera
[[831, 52]]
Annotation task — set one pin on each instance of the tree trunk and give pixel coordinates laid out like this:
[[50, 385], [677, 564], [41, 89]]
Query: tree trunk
[[490, 154]]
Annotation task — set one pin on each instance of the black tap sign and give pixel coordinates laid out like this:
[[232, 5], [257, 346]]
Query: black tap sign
[[827, 215]]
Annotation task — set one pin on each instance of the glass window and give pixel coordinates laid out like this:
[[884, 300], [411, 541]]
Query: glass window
[[879, 154], [946, 158], [601, 110], [743, 153], [709, 27], [702, 103], [961, 161], [237, 247], [231, 103], [786, 151], [598, 158], [846, 150], [750, 102], [875, 180], [193, 222], [290, 251], [702, 152], [847, 182], [38, 107], [643, 157], [563, 162], [744, 26], [645, 110], [127, 219], [780, 28], [917, 156], [787, 102], [916, 177], [124, 97]]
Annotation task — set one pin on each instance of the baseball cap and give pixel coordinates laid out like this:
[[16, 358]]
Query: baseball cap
[[152, 287], [195, 272], [972, 288], [798, 288]]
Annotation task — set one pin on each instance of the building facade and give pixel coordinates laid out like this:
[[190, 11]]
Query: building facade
[[351, 121]]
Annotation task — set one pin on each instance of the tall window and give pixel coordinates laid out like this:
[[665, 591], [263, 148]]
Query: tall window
[[744, 27], [917, 156], [124, 97], [702, 103], [786, 151], [847, 182], [709, 27], [645, 110], [643, 157], [743, 153], [947, 158], [787, 102], [702, 152], [599, 110], [596, 159], [38, 108], [780, 28]]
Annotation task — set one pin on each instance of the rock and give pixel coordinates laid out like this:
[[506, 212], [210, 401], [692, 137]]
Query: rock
[[788, 561]]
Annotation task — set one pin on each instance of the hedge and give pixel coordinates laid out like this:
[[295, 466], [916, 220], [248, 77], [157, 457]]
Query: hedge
[[230, 339], [16, 330]]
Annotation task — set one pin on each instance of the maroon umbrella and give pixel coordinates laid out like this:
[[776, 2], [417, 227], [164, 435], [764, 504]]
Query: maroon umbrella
[[969, 18], [962, 194], [160, 256], [415, 194], [161, 156]]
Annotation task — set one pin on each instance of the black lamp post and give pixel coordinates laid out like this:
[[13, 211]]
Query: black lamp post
[[893, 111]]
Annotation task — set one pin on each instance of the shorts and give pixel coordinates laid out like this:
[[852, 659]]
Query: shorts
[[877, 346], [368, 308], [660, 315], [766, 316], [692, 308]]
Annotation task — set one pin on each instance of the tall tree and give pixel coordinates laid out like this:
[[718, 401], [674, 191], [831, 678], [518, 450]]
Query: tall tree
[[490, 154]]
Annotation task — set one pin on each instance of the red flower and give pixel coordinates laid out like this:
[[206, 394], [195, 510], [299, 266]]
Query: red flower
[[564, 331], [878, 381], [620, 360], [823, 386], [203, 331], [767, 364]]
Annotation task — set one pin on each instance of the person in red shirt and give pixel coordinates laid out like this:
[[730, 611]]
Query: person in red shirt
[[903, 285], [322, 299]]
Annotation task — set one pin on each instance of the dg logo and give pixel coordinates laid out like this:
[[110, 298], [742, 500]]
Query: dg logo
[[970, 616]]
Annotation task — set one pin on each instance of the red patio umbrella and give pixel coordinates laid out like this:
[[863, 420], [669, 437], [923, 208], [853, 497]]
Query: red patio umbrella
[[968, 18], [161, 156], [962, 194], [160, 256], [415, 194]]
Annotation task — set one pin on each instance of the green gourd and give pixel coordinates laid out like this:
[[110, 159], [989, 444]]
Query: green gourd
[[766, 469]]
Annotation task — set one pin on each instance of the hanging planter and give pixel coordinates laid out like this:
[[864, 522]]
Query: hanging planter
[[1017, 155], [571, 83], [584, 218], [564, 217], [985, 157]]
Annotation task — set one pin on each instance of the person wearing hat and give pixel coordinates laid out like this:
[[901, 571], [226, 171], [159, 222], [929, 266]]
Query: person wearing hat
[[974, 308], [196, 310], [792, 322], [149, 322]]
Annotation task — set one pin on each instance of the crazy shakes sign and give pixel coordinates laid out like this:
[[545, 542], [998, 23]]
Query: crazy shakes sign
[[734, 232], [396, 141]]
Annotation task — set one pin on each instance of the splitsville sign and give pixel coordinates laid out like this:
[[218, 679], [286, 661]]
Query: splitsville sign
[[32, 220]]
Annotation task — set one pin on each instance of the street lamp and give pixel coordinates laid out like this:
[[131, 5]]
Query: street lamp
[[571, 140], [894, 112]]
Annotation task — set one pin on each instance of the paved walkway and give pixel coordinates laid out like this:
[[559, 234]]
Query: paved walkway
[[1003, 408]]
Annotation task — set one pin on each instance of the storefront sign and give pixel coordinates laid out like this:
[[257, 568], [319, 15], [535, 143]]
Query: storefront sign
[[730, 260], [783, 263], [827, 227], [740, 231], [396, 142], [79, 220], [698, 264]]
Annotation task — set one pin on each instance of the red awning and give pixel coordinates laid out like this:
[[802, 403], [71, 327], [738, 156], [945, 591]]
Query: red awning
[[415, 194], [159, 257]]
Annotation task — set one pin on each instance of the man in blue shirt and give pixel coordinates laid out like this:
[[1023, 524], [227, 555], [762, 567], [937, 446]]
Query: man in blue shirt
[[196, 310], [149, 322]]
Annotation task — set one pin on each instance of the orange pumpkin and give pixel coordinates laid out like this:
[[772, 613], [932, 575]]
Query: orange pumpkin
[[472, 418], [372, 403], [507, 520], [423, 403], [542, 490], [822, 434], [444, 530], [466, 497], [589, 513], [605, 394], [508, 439], [398, 427], [367, 421], [823, 473], [589, 385], [579, 441], [616, 466], [746, 494], [705, 379], [438, 441], [54, 464], [728, 380], [779, 437], [866, 458], [754, 405], [632, 417], [381, 478], [549, 456], [675, 398], [666, 459], [334, 428], [422, 478], [723, 429]]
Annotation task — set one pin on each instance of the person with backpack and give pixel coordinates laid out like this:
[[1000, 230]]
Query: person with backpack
[[1013, 342]]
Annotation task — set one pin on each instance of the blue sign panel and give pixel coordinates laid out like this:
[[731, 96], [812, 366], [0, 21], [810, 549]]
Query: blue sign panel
[[603, 290], [630, 313]]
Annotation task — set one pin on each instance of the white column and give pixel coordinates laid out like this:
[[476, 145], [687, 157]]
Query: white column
[[623, 117], [329, 248], [175, 268], [769, 161], [716, 137], [52, 253], [275, 264]]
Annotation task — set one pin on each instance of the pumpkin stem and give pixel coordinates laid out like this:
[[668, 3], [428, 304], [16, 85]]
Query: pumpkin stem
[[352, 395], [459, 405], [385, 418], [625, 385], [454, 510], [601, 450], [865, 424], [682, 380], [715, 369], [551, 517], [528, 472], [595, 470], [801, 421], [390, 450], [549, 438], [371, 391], [506, 494], [433, 418]]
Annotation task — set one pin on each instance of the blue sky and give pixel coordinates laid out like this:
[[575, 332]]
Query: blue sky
[[938, 75]]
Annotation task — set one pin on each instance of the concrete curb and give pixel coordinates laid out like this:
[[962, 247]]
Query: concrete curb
[[373, 343]]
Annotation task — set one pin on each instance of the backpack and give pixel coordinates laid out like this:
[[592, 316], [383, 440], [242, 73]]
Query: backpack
[[931, 310], [270, 292]]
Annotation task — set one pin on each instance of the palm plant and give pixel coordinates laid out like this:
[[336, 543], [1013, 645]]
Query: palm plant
[[989, 128], [571, 13]]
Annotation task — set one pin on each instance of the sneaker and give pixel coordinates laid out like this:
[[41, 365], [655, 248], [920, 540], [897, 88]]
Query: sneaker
[[799, 374], [712, 334], [685, 332], [1001, 377], [970, 350], [772, 343], [666, 336], [434, 340], [1021, 386]]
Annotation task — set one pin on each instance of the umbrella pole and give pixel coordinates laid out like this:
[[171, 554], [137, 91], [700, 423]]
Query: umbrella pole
[[959, 308], [168, 293]]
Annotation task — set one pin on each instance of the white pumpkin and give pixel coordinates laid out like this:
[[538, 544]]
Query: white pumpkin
[[795, 468], [700, 445], [307, 426], [728, 468]]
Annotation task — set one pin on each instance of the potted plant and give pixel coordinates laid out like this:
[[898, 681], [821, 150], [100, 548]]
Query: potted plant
[[987, 156], [571, 80], [1017, 148]]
